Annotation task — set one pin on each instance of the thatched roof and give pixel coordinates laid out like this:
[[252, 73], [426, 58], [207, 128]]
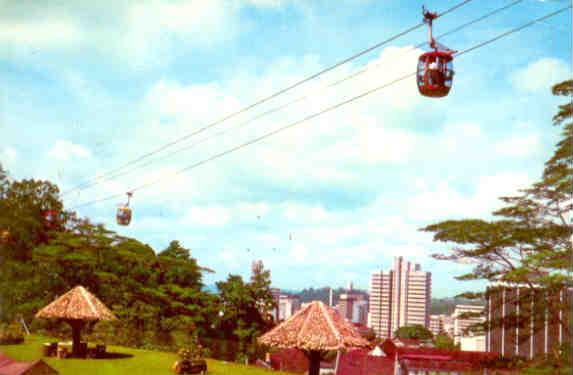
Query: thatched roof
[[77, 304], [314, 327]]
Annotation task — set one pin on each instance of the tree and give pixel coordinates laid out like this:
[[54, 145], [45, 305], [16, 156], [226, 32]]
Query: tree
[[244, 308], [416, 331], [22, 204], [528, 243], [444, 341], [260, 288]]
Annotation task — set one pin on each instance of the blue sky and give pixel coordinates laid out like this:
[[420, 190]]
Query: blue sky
[[88, 86]]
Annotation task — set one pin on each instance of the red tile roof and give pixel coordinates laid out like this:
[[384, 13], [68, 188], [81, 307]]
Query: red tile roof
[[358, 362], [9, 366], [436, 359]]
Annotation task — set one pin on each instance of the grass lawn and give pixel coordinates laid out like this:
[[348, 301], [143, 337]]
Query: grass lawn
[[141, 362]]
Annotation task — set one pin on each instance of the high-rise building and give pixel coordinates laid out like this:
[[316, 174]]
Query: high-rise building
[[276, 292], [346, 302], [400, 297], [288, 305], [463, 322], [360, 310], [436, 324], [520, 324], [353, 306], [441, 323]]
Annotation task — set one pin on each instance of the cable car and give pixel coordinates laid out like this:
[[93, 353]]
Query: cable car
[[435, 71], [51, 218], [123, 215]]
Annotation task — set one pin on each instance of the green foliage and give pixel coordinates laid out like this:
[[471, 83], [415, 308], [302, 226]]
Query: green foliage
[[11, 333], [444, 341], [529, 242], [416, 331]]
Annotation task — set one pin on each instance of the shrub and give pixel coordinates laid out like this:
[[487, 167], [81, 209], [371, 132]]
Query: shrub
[[11, 334], [192, 353]]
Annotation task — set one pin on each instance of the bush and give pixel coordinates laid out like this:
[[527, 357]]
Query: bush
[[11, 334], [193, 352]]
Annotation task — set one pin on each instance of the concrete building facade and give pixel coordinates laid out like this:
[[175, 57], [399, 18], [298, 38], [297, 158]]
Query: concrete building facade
[[288, 305], [520, 324], [463, 323]]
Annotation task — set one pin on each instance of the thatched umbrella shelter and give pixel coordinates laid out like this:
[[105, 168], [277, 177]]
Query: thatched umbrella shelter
[[76, 307], [316, 329]]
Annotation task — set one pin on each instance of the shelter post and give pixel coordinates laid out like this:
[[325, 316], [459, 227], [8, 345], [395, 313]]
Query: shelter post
[[314, 357], [77, 326]]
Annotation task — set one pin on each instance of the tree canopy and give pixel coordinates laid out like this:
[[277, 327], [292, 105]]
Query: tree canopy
[[157, 298], [416, 331]]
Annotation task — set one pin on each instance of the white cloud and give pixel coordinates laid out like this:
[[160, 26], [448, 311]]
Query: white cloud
[[295, 212], [193, 103], [540, 75], [251, 211], [8, 155], [137, 34], [267, 3], [443, 201], [518, 146], [41, 33], [210, 216], [65, 150], [373, 144], [299, 252]]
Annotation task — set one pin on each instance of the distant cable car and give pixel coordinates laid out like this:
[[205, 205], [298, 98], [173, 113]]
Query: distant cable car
[[51, 218], [435, 71], [123, 215]]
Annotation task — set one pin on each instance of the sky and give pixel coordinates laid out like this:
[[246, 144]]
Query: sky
[[87, 86]]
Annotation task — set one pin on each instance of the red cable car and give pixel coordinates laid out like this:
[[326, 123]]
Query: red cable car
[[51, 218], [123, 215], [435, 71]]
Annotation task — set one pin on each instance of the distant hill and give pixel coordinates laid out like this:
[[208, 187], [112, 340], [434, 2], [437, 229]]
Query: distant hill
[[322, 294], [447, 305], [211, 288]]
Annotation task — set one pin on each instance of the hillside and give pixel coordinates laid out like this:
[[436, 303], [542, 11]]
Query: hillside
[[129, 361]]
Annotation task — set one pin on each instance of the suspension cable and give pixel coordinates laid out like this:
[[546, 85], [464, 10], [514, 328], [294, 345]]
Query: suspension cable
[[267, 98], [328, 109], [294, 101]]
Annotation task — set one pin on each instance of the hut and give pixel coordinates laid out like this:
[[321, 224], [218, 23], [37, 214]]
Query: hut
[[8, 366], [76, 307], [316, 329]]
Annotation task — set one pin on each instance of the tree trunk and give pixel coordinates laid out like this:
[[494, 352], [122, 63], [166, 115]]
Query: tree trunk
[[314, 362], [77, 326]]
